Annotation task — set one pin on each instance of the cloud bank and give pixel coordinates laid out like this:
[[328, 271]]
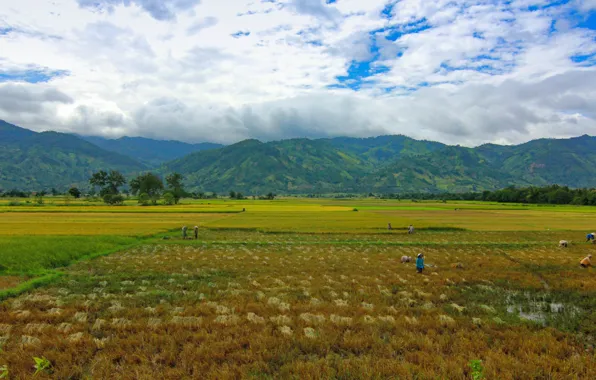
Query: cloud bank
[[456, 71]]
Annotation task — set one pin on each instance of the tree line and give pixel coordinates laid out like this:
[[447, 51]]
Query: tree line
[[554, 194], [148, 186]]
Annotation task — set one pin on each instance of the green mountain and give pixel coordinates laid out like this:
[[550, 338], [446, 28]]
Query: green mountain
[[547, 161], [387, 164], [291, 166], [36, 161], [453, 169], [384, 164], [381, 149], [148, 151]]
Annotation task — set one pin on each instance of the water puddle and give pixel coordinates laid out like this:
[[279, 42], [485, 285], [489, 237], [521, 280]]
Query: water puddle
[[540, 308]]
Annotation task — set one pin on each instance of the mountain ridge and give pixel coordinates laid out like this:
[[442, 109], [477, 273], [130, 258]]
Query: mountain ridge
[[40, 160], [382, 164], [149, 151]]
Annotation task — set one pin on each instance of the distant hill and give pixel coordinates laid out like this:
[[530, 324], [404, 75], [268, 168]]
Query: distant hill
[[148, 151], [384, 164], [542, 162], [36, 161], [387, 164], [453, 169], [292, 166], [379, 150]]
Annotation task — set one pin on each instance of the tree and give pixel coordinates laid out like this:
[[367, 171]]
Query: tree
[[113, 199], [75, 192], [175, 186], [271, 196], [147, 183], [169, 199], [144, 199], [54, 192], [239, 196], [232, 194], [108, 182]]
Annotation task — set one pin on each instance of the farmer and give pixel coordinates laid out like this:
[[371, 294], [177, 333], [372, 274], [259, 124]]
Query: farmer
[[563, 243], [389, 226], [586, 262], [590, 236], [196, 232], [420, 263], [411, 229], [405, 259], [184, 232]]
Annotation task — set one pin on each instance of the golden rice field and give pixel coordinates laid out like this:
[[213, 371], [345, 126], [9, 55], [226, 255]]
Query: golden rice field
[[284, 292], [98, 223]]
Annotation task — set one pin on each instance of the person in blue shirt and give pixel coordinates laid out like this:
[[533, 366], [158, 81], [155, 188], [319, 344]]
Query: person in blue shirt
[[590, 237], [420, 263]]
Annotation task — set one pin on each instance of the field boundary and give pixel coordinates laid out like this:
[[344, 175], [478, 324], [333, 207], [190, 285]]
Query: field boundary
[[51, 275], [29, 285]]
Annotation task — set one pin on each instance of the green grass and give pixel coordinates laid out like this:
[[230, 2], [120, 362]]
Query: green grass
[[36, 254], [29, 285]]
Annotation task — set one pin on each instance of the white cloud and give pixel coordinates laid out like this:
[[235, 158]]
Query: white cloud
[[462, 72]]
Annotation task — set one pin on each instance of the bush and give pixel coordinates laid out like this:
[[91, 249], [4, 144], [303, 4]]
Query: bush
[[144, 199], [113, 199], [169, 199]]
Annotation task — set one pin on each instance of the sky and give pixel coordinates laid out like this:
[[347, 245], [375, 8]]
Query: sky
[[459, 72]]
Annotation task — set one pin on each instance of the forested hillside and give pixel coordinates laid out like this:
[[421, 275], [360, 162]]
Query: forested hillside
[[384, 164]]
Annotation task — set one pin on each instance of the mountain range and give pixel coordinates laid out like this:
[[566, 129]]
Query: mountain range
[[148, 151], [384, 164]]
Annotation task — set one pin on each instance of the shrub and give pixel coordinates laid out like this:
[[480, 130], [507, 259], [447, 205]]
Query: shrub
[[113, 199], [144, 199], [169, 199]]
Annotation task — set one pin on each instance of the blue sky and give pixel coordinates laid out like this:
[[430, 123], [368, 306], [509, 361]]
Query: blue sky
[[458, 71]]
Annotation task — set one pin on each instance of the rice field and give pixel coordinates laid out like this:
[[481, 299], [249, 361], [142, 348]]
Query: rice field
[[264, 294], [98, 223]]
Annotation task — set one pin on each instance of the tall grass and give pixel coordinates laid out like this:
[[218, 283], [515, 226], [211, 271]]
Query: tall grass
[[35, 254]]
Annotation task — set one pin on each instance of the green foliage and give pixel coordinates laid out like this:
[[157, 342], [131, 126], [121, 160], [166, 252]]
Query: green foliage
[[144, 199], [477, 369], [108, 182], [113, 199], [148, 184], [4, 373], [175, 186], [39, 199], [75, 192], [168, 199], [554, 194], [42, 365]]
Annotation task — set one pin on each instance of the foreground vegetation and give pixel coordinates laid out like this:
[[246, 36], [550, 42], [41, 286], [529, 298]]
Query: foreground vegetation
[[298, 289]]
